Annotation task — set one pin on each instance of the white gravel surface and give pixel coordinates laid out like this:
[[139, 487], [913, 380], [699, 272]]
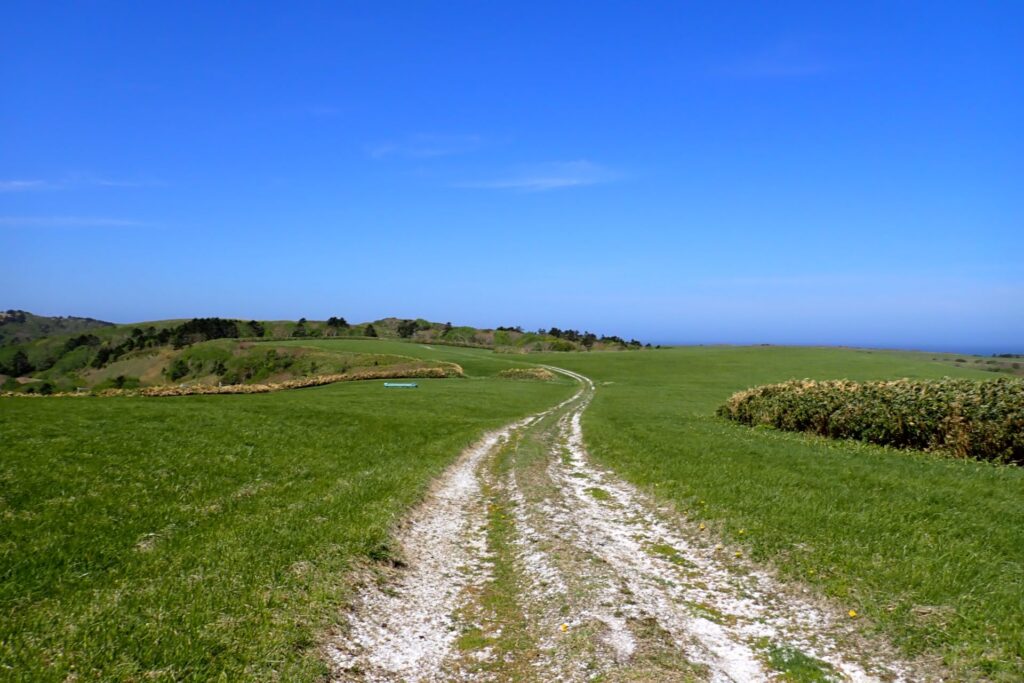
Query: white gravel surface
[[589, 544]]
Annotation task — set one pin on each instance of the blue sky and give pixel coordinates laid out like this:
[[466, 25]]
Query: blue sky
[[679, 172]]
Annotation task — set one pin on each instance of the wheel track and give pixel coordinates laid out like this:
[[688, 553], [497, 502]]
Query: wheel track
[[404, 630], [607, 583]]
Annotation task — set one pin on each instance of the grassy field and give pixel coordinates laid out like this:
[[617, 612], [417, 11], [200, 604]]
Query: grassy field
[[190, 538], [206, 538], [928, 550]]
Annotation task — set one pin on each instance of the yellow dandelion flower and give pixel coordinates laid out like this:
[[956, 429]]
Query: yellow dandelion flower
[[852, 613], [701, 527], [565, 627]]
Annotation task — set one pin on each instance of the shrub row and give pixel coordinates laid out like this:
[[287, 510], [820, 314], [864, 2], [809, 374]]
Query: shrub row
[[981, 419]]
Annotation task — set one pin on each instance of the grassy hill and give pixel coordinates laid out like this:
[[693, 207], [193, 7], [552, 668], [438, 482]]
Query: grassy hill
[[502, 339], [105, 355], [18, 327]]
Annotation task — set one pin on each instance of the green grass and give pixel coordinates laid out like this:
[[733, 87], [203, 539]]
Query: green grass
[[797, 667], [928, 550], [203, 537], [186, 538], [478, 363]]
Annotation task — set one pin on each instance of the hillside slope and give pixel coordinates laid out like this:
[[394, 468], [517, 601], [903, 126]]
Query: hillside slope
[[17, 327], [158, 352]]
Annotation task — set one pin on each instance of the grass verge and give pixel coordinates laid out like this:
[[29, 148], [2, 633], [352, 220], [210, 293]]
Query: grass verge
[[209, 537], [927, 550]]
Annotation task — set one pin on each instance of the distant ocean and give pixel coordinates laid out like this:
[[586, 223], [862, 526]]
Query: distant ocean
[[966, 349], [970, 350]]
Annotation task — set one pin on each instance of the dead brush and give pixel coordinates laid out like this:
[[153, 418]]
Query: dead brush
[[442, 371]]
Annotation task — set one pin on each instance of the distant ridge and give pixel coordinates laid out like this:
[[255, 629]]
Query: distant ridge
[[18, 327], [55, 355]]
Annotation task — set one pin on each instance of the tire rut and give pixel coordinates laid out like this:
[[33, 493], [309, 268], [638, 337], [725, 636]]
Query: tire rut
[[404, 629], [605, 585]]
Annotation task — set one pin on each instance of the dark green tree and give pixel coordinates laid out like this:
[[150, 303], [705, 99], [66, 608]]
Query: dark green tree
[[178, 369], [81, 340], [406, 328], [102, 356], [19, 365]]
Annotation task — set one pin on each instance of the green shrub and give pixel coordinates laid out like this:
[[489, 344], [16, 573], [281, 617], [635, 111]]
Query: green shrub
[[18, 365], [178, 369], [981, 419], [119, 382], [561, 345]]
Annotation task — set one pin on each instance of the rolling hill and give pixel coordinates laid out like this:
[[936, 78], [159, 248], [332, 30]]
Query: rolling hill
[[54, 355], [18, 327]]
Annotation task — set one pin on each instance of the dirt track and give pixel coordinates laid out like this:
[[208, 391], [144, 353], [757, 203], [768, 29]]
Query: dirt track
[[528, 562]]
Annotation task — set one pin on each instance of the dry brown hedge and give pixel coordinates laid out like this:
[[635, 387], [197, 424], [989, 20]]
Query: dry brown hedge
[[392, 372], [528, 373]]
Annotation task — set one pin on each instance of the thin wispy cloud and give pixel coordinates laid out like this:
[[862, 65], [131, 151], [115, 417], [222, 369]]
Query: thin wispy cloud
[[69, 222], [425, 146], [23, 185], [808, 280], [74, 181], [546, 177], [120, 182], [784, 60]]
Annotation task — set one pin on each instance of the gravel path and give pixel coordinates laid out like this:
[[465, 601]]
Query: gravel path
[[604, 584]]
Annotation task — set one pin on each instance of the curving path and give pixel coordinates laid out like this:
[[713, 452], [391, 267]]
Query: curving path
[[529, 562]]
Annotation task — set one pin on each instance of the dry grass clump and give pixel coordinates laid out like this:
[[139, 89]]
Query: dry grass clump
[[981, 419], [391, 372], [528, 373]]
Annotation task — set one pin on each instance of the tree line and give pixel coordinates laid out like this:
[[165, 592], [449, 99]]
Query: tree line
[[179, 336], [588, 339], [188, 333], [204, 329]]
